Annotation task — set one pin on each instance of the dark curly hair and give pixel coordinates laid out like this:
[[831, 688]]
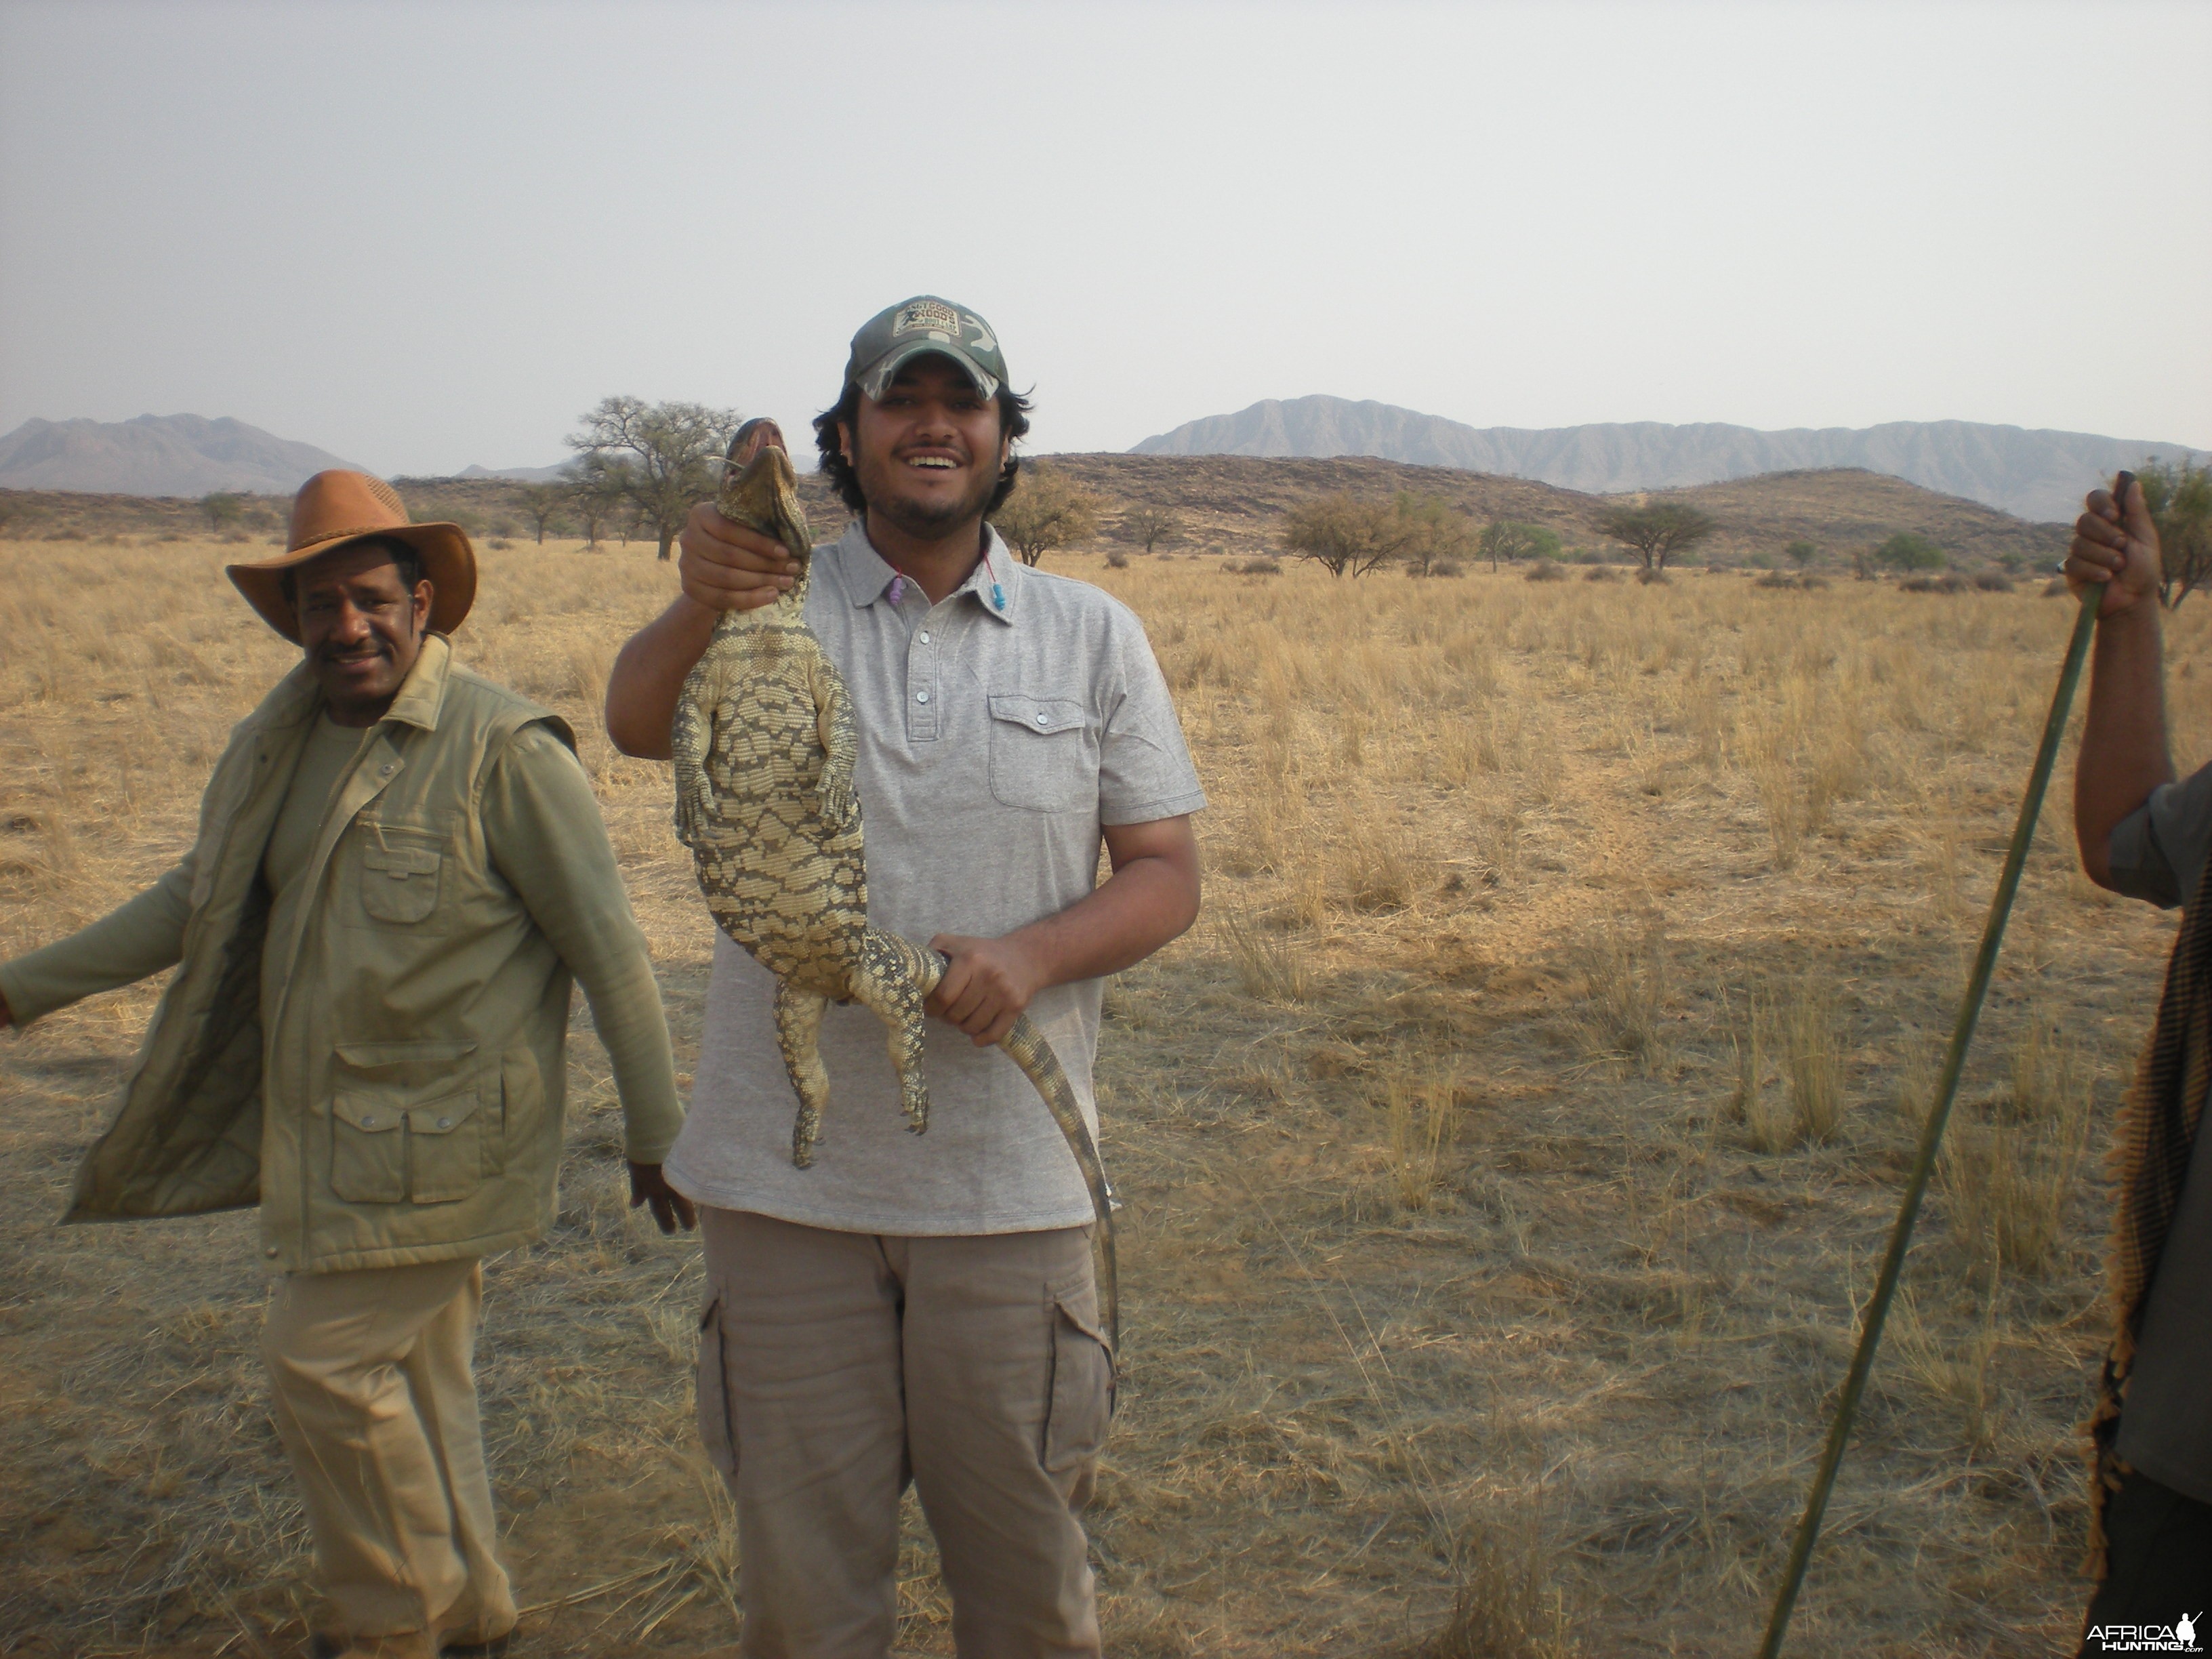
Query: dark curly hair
[[1013, 422]]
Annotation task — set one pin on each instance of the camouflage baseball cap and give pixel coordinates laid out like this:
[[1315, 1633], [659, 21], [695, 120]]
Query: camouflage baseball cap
[[924, 324]]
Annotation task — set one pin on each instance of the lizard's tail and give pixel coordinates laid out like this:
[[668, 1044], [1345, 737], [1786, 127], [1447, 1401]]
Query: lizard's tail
[[1027, 1048]]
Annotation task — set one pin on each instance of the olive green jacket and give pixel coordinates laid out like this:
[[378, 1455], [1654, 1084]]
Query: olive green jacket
[[402, 1099]]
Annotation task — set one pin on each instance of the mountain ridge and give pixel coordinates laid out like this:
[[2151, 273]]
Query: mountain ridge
[[2034, 474], [157, 455]]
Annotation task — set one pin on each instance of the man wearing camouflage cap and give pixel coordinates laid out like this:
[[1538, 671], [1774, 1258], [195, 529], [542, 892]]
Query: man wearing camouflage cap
[[399, 870], [922, 1308]]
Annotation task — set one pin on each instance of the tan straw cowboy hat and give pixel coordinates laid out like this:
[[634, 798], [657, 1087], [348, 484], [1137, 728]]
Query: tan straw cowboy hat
[[335, 508]]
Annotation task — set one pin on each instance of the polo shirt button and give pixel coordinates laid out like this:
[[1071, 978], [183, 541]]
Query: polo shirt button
[[924, 636], [921, 696], [1040, 720]]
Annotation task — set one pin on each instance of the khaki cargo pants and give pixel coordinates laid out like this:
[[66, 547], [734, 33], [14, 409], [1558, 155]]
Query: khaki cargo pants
[[376, 1404], [834, 1367]]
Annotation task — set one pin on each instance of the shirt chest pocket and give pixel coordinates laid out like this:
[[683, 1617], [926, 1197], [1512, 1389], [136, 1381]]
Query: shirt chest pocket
[[1044, 757], [399, 871]]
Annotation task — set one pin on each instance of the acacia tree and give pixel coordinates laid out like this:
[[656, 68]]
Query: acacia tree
[[1149, 526], [2180, 497], [544, 505], [1441, 536], [1509, 539], [221, 507], [1047, 512], [1800, 553], [659, 459], [1657, 532], [1345, 535]]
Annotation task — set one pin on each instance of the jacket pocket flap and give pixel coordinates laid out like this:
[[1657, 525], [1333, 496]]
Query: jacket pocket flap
[[441, 1117], [399, 862], [393, 1058], [370, 1114], [1046, 714]]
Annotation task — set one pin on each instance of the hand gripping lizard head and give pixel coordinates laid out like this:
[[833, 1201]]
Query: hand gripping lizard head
[[760, 490]]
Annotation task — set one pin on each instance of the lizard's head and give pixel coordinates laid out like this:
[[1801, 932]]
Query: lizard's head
[[760, 490]]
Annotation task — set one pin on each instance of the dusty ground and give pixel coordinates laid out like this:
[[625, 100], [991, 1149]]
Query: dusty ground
[[1506, 1151]]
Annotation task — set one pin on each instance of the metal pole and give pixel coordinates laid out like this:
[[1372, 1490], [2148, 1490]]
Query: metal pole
[[1939, 1113]]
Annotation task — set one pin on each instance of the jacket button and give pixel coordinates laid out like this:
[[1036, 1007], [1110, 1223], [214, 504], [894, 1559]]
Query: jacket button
[[368, 1123], [445, 1123], [271, 1252], [1040, 720], [387, 771]]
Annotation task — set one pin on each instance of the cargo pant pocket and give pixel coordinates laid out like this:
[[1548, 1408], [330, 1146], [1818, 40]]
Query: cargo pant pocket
[[1081, 1403], [718, 1429]]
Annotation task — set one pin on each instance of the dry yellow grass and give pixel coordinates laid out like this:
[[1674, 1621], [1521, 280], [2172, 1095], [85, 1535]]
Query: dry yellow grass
[[1469, 1310]]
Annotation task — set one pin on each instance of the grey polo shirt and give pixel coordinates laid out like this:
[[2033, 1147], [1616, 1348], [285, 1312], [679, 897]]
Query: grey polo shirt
[[999, 730], [2158, 853]]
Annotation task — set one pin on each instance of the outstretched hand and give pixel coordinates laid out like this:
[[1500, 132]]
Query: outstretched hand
[[2115, 546], [648, 1186]]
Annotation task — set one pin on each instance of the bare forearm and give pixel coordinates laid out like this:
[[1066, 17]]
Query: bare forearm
[[649, 678], [2124, 755], [1136, 910]]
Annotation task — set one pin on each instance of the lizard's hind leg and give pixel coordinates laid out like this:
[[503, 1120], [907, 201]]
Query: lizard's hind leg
[[894, 979], [799, 1035]]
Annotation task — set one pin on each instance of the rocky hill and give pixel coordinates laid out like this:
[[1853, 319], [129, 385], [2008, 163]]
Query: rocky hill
[[2034, 475], [1235, 503], [156, 455]]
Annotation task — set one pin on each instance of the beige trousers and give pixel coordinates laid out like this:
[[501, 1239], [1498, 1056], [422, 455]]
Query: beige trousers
[[834, 1367], [376, 1404]]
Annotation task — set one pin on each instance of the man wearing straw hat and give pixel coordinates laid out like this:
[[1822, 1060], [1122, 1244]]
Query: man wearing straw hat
[[399, 869], [2143, 834]]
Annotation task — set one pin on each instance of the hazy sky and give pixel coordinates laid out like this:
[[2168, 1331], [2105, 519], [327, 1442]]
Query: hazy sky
[[425, 235]]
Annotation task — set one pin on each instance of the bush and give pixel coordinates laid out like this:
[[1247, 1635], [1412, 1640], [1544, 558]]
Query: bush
[[1254, 567], [1649, 576], [1545, 571], [1601, 573], [1775, 578], [1117, 560], [1993, 581], [1907, 551], [1933, 585]]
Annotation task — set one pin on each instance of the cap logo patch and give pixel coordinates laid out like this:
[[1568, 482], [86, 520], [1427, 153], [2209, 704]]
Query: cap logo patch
[[926, 317]]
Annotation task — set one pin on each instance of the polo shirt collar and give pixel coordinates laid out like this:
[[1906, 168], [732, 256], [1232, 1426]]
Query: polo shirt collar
[[995, 582]]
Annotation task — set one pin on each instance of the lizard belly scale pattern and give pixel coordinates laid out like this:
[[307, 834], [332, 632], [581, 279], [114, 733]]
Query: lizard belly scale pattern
[[765, 750]]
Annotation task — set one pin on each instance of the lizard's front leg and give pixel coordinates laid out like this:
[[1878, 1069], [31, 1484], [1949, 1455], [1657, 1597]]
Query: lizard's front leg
[[840, 739]]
